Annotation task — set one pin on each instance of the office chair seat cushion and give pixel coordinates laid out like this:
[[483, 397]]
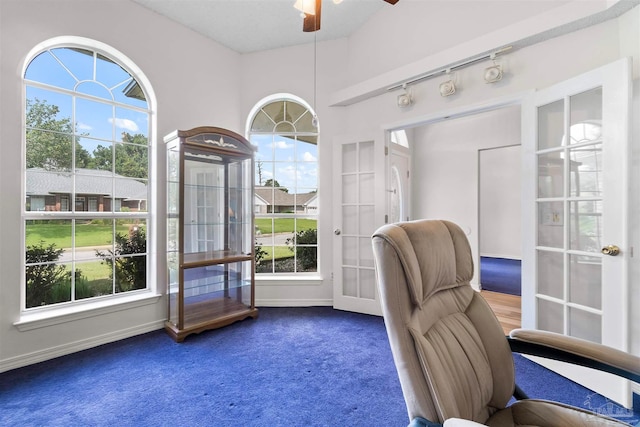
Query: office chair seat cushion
[[544, 413]]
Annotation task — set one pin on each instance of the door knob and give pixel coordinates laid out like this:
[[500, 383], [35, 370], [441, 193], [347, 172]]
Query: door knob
[[611, 250]]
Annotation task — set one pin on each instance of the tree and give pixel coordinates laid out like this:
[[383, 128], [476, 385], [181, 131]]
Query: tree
[[259, 166], [273, 183], [49, 139], [131, 156]]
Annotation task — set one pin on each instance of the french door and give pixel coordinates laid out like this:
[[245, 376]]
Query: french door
[[359, 188], [575, 214]]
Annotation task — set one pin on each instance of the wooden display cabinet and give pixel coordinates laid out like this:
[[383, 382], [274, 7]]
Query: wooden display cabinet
[[210, 230]]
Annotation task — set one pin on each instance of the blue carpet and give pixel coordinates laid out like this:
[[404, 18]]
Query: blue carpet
[[500, 275], [290, 367]]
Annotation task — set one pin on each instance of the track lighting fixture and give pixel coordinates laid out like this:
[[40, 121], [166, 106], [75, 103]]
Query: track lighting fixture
[[448, 88], [495, 70], [405, 99], [493, 73]]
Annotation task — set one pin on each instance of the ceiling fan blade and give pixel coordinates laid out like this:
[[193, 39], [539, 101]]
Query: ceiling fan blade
[[311, 23], [392, 1]]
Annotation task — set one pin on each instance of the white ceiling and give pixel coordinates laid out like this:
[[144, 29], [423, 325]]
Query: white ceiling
[[255, 25]]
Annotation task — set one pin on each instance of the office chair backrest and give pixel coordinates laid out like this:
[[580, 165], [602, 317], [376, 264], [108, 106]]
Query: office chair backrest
[[449, 349]]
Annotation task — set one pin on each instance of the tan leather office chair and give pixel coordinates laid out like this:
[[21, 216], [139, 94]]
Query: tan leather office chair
[[452, 357]]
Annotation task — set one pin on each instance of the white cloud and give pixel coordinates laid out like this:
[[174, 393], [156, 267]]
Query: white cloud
[[308, 157], [282, 144], [84, 126], [125, 124]]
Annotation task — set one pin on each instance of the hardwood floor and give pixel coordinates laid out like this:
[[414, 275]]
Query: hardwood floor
[[506, 307]]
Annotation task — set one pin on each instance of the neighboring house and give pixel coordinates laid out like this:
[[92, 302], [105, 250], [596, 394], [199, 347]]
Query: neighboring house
[[275, 200], [96, 191]]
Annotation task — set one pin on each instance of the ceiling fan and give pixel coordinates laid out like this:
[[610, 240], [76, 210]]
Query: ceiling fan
[[312, 10]]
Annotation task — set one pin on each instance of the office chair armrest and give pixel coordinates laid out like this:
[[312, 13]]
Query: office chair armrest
[[576, 351]]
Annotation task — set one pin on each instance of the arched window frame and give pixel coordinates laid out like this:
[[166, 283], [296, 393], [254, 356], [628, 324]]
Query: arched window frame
[[262, 242], [36, 316]]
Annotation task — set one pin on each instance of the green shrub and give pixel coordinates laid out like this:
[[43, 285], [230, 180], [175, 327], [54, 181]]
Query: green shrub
[[131, 271], [41, 279], [307, 256]]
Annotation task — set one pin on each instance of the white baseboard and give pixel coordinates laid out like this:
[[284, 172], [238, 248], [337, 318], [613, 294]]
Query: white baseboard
[[62, 350], [505, 256], [266, 302]]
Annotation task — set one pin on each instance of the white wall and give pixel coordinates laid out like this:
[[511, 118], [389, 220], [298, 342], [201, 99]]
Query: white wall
[[500, 201]]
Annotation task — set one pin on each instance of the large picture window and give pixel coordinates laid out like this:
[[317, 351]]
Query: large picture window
[[286, 186], [86, 177]]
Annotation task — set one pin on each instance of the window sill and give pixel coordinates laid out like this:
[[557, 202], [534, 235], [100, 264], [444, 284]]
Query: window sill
[[289, 280], [43, 319]]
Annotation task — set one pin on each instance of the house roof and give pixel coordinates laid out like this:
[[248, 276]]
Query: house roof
[[41, 182], [276, 197]]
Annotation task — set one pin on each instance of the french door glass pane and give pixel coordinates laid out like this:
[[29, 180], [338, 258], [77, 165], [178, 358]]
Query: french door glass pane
[[550, 316], [551, 175], [367, 283], [586, 226], [585, 283], [349, 152], [349, 282], [550, 273], [585, 325], [550, 224], [365, 156], [550, 125], [586, 171]]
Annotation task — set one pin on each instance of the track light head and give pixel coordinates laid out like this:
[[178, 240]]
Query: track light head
[[447, 88], [493, 74], [405, 99]]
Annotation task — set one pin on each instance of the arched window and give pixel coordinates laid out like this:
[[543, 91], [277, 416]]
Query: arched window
[[285, 132], [86, 177]]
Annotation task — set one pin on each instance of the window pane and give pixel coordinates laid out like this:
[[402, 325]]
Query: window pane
[[45, 69], [48, 110], [92, 236], [132, 160], [94, 119], [109, 73], [131, 126], [48, 185], [305, 151], [48, 150], [262, 123], [94, 89], [284, 148], [94, 154], [47, 277], [79, 61], [93, 279]]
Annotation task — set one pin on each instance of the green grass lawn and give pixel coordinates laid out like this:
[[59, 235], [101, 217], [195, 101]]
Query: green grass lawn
[[60, 234], [284, 225]]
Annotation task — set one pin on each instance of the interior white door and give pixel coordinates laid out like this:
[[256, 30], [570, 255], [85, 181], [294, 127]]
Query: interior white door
[[359, 169], [576, 180], [398, 183]]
